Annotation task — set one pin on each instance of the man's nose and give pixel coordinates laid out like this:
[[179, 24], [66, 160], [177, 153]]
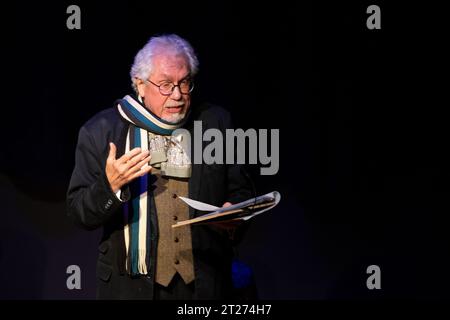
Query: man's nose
[[176, 93]]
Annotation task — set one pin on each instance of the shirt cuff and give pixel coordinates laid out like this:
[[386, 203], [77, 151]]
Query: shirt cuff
[[118, 194]]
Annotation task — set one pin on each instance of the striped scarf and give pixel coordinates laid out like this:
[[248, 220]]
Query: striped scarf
[[137, 210]]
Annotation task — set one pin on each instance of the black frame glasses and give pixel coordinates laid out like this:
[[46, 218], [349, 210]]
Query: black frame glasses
[[169, 91]]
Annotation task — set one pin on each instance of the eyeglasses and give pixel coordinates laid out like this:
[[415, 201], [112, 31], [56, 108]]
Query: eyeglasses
[[166, 88]]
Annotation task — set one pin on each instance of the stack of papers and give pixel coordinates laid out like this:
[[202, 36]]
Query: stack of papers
[[244, 210]]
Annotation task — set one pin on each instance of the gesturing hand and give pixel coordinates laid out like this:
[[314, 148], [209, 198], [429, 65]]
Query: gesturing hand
[[128, 167]]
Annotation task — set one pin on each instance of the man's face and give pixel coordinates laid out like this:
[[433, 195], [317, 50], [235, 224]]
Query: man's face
[[166, 68]]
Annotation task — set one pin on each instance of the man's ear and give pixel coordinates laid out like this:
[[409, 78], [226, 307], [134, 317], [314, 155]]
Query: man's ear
[[140, 86]]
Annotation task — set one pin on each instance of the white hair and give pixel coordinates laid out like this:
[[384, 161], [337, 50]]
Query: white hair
[[165, 44]]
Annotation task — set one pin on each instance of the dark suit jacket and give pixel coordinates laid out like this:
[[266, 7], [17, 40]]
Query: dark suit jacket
[[92, 203]]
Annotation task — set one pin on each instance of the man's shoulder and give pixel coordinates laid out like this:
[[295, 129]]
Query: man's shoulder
[[211, 112], [103, 119]]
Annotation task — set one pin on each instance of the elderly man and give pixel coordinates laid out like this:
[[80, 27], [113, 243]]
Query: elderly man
[[128, 169]]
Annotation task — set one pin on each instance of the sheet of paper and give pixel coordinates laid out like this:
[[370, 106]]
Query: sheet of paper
[[198, 205], [275, 195]]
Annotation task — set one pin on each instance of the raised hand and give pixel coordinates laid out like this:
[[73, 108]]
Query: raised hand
[[128, 167]]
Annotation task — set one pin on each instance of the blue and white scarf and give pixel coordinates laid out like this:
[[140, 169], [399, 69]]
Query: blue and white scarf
[[143, 124]]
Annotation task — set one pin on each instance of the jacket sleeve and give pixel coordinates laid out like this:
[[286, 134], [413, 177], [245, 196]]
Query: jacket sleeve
[[90, 199]]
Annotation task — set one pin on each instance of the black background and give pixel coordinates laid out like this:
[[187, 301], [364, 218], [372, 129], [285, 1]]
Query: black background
[[363, 129]]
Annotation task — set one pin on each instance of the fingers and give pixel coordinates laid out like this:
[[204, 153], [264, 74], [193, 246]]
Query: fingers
[[112, 152], [144, 170], [128, 167], [138, 166], [130, 154], [137, 159], [227, 204]]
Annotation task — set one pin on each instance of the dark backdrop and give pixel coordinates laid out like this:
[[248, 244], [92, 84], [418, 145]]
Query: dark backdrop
[[363, 127]]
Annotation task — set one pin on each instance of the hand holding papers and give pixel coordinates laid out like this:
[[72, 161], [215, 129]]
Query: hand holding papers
[[240, 211]]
